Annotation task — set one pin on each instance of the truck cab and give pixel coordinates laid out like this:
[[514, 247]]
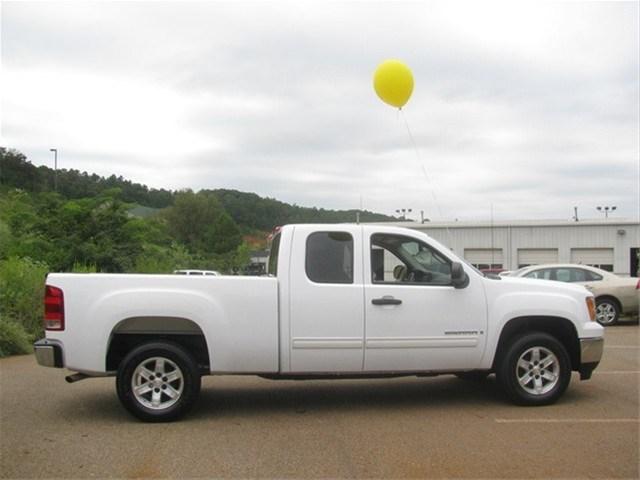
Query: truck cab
[[373, 299]]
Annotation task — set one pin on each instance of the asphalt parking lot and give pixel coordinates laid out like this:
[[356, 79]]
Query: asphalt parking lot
[[248, 427]]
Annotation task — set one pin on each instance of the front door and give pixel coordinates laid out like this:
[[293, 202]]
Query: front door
[[415, 319]]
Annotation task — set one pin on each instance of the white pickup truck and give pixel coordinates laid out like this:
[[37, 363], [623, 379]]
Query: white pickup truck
[[340, 301]]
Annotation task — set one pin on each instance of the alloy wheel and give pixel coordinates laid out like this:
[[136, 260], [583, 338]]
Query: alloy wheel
[[157, 383], [605, 313], [538, 370]]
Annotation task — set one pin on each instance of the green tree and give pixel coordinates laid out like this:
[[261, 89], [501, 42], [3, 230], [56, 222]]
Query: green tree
[[159, 259], [90, 231], [17, 172], [6, 239], [21, 292], [233, 262], [199, 222], [14, 340]]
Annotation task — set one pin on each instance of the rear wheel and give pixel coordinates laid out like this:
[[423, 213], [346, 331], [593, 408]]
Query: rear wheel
[[535, 370], [607, 311], [158, 381]]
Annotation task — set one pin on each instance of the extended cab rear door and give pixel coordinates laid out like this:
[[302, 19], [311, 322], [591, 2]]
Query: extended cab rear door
[[326, 299]]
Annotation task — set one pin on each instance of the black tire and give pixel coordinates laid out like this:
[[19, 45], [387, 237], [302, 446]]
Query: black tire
[[158, 398], [527, 379], [607, 311], [473, 375]]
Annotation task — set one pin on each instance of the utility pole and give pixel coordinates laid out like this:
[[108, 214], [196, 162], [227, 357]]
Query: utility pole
[[493, 260], [55, 168]]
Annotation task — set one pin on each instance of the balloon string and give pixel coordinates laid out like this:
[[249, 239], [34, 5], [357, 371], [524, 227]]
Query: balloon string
[[424, 171]]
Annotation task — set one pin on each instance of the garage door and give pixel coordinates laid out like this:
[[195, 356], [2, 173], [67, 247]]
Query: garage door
[[537, 256], [484, 257], [596, 257]]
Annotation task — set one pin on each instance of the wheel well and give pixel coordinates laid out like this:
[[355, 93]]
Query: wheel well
[[612, 298], [560, 328], [131, 332]]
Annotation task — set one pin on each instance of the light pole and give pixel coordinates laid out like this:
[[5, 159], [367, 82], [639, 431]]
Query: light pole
[[606, 209], [55, 168], [404, 212]]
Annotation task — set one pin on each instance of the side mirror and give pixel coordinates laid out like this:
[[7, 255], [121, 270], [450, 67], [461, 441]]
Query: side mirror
[[459, 278]]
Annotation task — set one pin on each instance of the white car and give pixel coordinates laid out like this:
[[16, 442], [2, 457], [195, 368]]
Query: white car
[[196, 272], [614, 295]]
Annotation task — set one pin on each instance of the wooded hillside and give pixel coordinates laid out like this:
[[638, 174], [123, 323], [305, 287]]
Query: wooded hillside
[[81, 222]]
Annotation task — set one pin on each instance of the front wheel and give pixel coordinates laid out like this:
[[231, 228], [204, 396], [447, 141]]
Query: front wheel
[[158, 381], [535, 370]]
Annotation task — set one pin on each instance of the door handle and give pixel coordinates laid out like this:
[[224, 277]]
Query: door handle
[[386, 300]]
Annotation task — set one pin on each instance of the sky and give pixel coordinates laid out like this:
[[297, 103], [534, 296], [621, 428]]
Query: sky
[[521, 110]]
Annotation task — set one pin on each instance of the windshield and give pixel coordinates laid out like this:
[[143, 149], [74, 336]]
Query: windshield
[[518, 272], [466, 262]]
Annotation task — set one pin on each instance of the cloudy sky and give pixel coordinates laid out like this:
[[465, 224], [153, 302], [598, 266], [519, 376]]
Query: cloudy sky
[[530, 107]]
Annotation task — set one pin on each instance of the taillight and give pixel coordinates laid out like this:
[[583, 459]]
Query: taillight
[[638, 285], [53, 308]]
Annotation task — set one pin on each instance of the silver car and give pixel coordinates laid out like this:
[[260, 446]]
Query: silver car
[[614, 295]]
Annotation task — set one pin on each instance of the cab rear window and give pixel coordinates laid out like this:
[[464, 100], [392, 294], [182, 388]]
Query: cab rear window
[[273, 256]]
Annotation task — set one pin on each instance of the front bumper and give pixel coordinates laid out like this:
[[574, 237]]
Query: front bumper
[[49, 353], [591, 350]]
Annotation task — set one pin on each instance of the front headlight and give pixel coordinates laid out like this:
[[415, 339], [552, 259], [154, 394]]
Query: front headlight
[[591, 307]]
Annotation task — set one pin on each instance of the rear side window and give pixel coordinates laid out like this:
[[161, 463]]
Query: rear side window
[[329, 257], [565, 275], [573, 275], [580, 275], [592, 276]]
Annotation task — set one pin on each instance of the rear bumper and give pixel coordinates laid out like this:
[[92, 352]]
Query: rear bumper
[[49, 353], [590, 355]]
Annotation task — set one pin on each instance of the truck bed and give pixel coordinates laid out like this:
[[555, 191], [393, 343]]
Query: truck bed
[[238, 316]]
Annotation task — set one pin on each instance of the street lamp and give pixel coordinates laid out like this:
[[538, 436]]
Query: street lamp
[[606, 209], [404, 212], [55, 168]]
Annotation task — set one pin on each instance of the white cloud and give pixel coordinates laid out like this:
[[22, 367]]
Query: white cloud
[[526, 105]]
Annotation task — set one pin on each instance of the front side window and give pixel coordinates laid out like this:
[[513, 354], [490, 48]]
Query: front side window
[[329, 257], [396, 259]]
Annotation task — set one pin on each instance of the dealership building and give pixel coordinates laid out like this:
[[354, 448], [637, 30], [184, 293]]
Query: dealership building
[[610, 244]]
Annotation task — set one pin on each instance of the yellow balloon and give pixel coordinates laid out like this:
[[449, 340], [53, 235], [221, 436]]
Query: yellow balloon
[[393, 82]]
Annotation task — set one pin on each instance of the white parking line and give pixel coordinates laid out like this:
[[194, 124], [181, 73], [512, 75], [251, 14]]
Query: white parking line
[[621, 346], [567, 420], [617, 372]]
